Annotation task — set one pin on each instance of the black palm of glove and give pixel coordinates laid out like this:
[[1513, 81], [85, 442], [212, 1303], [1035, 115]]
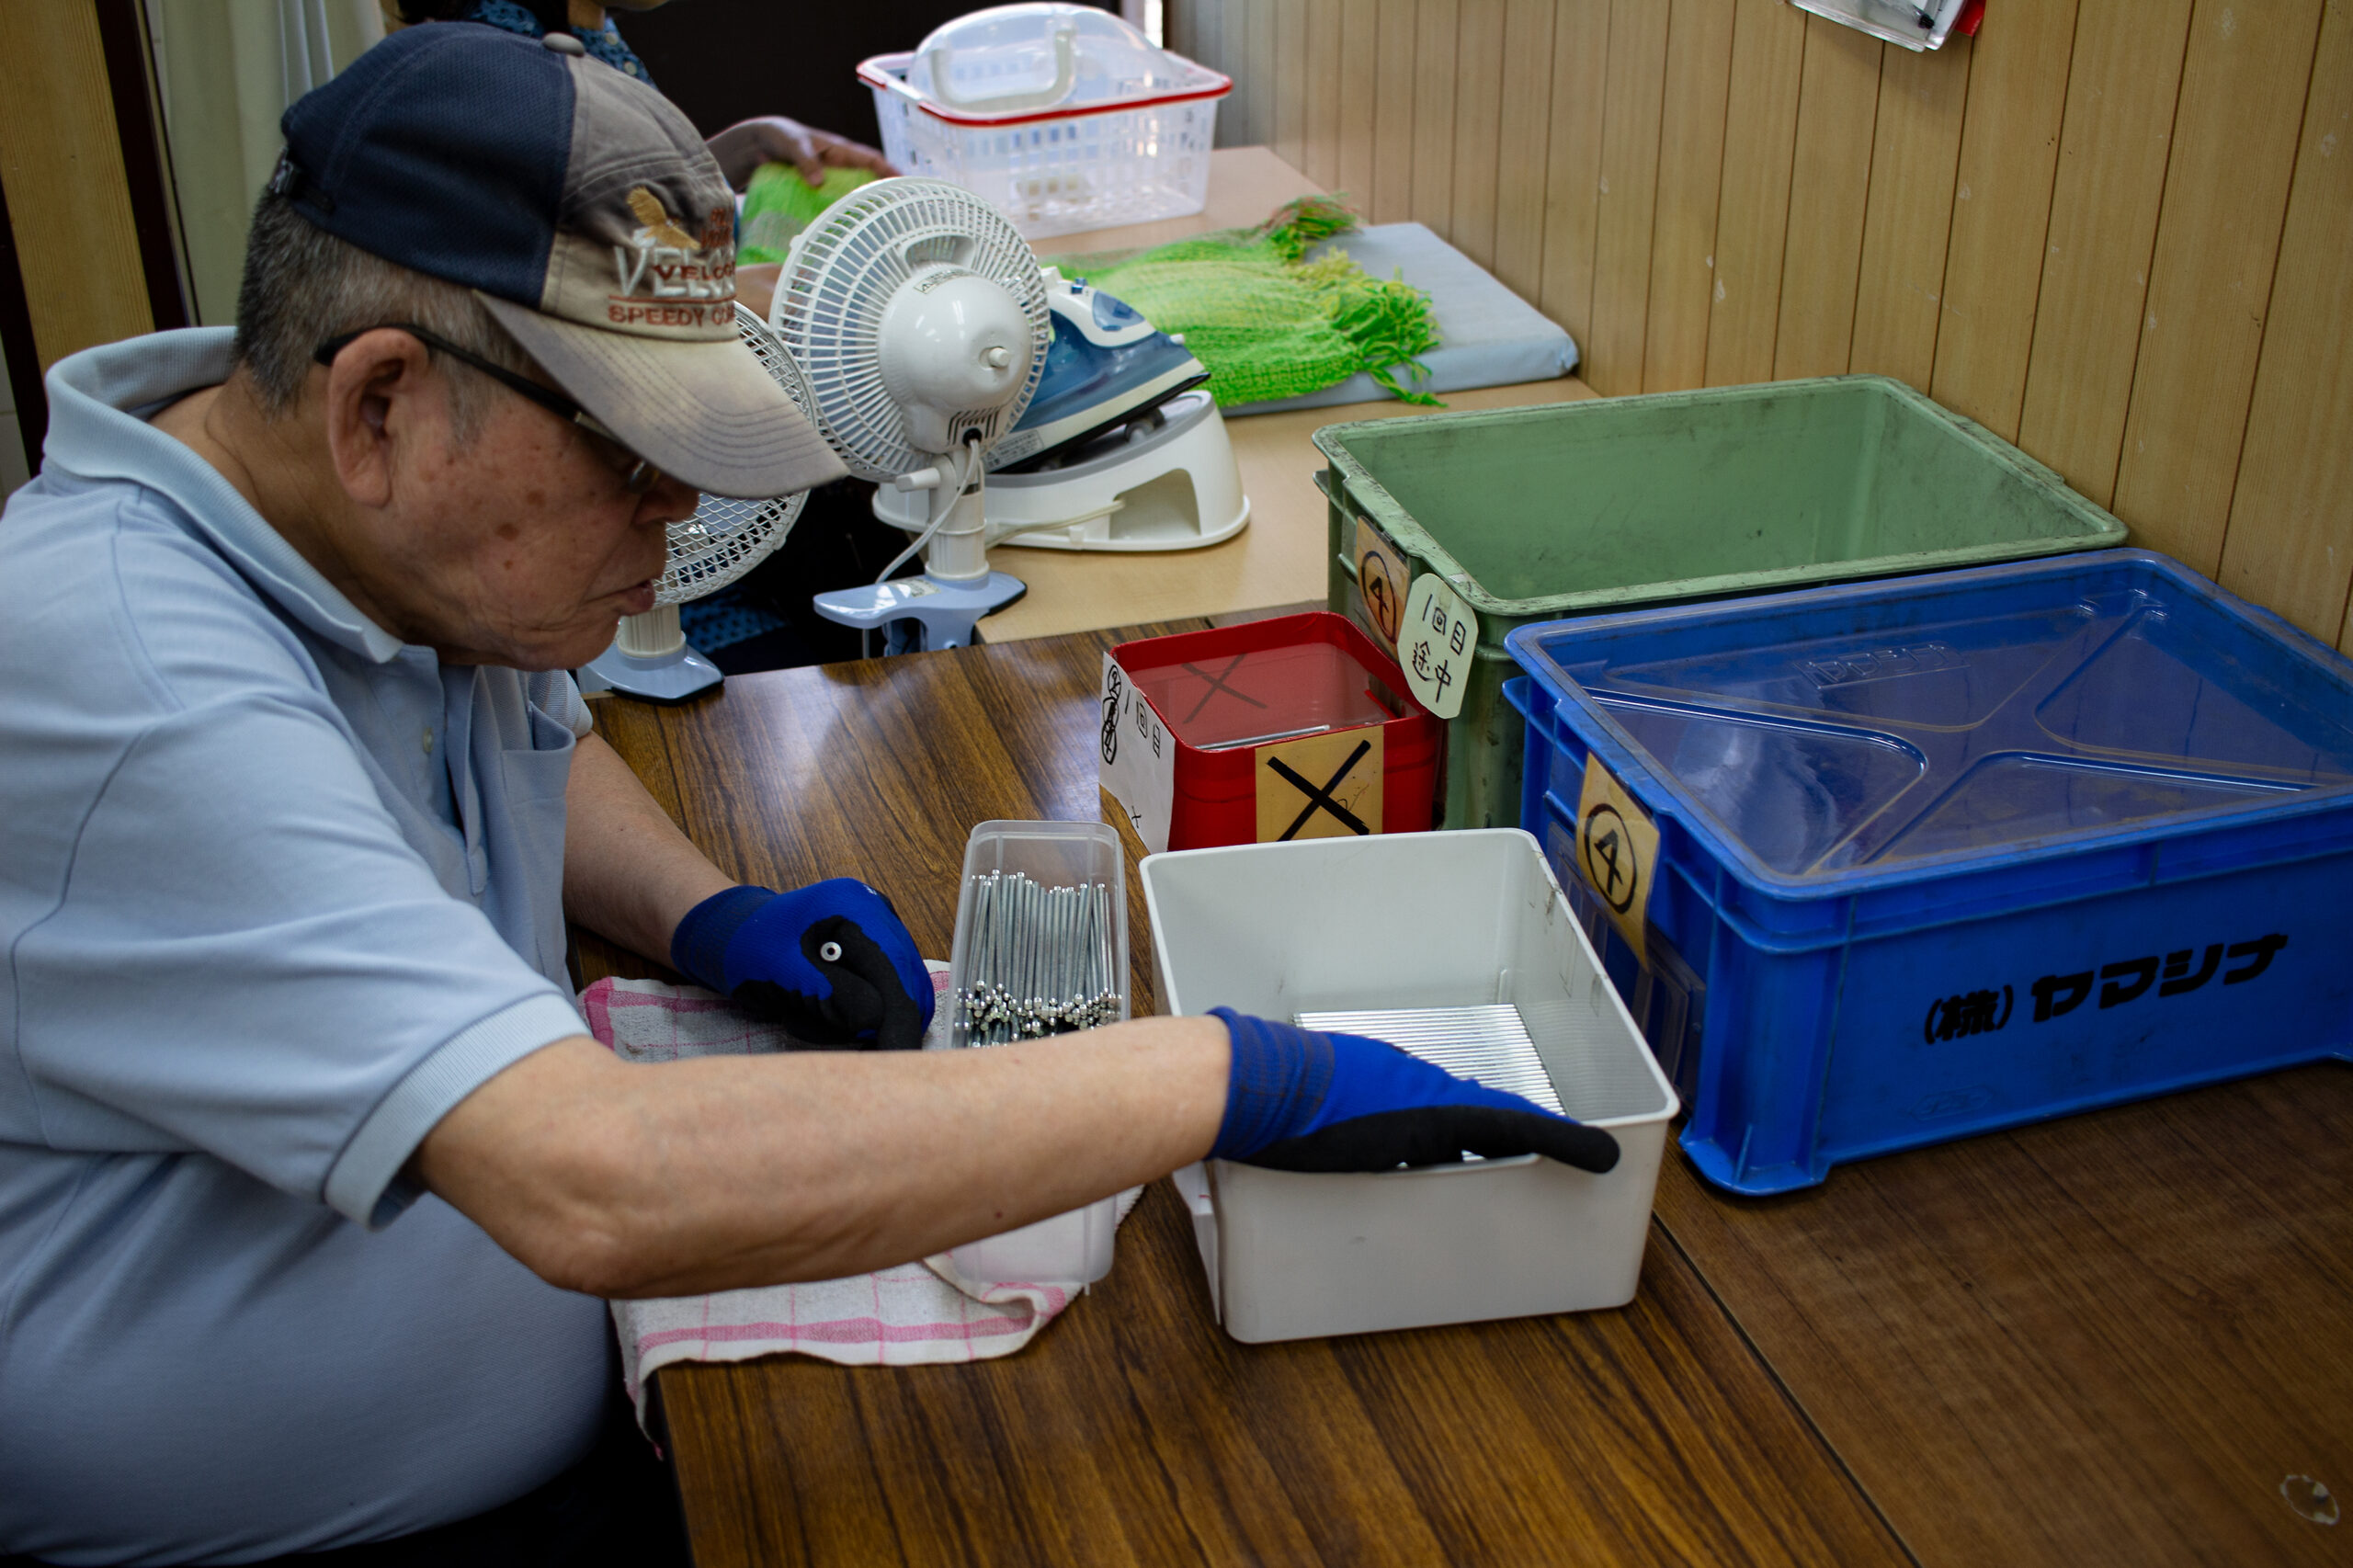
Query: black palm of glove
[[830, 961], [1299, 1101], [865, 1003], [1440, 1135]]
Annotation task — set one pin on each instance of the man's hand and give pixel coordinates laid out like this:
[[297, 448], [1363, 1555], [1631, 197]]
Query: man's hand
[[830, 961], [1299, 1101], [744, 146]]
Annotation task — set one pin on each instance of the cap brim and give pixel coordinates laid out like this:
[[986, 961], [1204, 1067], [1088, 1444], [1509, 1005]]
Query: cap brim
[[704, 413]]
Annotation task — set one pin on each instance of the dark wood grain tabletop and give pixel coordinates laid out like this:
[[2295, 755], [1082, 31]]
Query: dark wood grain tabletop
[[2124, 1337]]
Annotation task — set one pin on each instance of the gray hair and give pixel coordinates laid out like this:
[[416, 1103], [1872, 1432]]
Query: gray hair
[[303, 286]]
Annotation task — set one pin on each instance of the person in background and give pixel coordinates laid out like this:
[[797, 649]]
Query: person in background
[[741, 149]]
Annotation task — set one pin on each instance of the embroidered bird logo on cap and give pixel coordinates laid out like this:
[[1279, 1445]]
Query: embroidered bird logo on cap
[[647, 206]]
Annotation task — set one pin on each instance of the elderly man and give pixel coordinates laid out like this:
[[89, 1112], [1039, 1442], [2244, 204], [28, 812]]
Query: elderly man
[[310, 1180]]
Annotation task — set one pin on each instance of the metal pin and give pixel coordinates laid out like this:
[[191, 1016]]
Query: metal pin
[[1038, 959]]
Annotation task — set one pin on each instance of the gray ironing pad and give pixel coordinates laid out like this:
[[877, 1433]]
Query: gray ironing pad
[[1488, 337]]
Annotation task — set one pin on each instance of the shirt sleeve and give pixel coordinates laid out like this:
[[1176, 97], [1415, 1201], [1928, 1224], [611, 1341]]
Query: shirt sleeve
[[244, 957]]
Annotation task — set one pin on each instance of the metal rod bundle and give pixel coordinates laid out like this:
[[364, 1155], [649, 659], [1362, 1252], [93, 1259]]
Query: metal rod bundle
[[1489, 1042], [1040, 959]]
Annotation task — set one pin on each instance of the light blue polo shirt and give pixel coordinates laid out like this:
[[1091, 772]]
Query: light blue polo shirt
[[276, 892]]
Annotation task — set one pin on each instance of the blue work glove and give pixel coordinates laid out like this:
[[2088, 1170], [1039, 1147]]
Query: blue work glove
[[830, 961], [1299, 1101]]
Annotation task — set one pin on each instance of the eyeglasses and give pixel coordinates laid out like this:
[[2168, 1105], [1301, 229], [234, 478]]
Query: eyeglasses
[[638, 476]]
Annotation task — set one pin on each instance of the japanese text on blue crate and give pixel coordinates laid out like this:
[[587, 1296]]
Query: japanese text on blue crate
[[2128, 980]]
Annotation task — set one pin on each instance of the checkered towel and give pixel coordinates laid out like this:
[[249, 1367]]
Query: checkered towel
[[912, 1315]]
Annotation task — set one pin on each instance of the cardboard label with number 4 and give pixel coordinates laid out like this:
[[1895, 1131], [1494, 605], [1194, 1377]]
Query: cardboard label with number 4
[[1380, 583], [1617, 850], [1436, 644]]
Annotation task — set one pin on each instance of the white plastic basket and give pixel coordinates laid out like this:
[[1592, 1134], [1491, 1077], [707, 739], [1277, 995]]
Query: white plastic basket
[[1411, 920], [1140, 156]]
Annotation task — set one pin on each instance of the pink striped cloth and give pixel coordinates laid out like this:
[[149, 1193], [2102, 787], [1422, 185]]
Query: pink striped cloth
[[917, 1314]]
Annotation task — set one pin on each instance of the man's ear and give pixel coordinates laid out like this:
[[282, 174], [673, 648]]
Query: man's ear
[[381, 397]]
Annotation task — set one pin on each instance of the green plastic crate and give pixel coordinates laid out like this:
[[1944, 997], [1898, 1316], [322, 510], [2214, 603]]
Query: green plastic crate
[[1576, 508]]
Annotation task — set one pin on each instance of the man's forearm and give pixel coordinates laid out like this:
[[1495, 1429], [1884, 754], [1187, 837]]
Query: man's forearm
[[629, 874], [724, 1172]]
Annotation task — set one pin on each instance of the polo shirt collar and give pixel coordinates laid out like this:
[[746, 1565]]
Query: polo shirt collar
[[98, 430]]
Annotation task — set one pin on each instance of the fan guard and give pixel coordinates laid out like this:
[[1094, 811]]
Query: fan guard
[[845, 269], [726, 538]]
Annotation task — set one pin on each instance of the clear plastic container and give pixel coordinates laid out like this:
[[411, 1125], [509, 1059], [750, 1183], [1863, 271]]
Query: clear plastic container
[[1232, 697], [1073, 1248], [1265, 694], [1008, 59], [1062, 115]]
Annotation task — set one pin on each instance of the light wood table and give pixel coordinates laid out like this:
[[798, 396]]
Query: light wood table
[[1278, 560], [1246, 184]]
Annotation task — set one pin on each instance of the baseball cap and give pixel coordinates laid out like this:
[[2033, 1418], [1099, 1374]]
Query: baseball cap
[[585, 213]]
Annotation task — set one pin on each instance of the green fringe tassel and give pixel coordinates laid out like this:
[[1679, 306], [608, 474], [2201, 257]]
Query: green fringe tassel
[[1268, 323], [1389, 321], [1303, 222]]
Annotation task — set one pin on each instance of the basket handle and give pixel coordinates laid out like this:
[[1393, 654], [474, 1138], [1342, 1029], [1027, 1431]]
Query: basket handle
[[1065, 77]]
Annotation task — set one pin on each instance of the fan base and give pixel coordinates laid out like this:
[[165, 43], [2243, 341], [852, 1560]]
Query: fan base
[[946, 611], [671, 677]]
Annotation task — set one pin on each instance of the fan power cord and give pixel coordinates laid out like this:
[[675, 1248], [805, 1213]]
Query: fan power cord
[[971, 471], [950, 495]]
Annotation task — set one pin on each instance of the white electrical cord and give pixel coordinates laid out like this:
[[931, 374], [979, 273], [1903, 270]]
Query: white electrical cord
[[945, 497], [952, 493]]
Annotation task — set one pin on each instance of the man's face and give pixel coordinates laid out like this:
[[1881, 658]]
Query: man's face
[[523, 546]]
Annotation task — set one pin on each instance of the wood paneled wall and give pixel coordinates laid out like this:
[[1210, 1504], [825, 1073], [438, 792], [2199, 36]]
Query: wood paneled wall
[[60, 162], [2118, 232]]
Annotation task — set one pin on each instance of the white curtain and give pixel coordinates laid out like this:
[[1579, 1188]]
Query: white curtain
[[227, 69]]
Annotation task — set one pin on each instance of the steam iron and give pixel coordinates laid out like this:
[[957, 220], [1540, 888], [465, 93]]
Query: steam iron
[[1107, 365], [1121, 448]]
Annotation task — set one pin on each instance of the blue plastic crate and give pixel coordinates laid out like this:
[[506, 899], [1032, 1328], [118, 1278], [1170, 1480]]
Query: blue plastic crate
[[1959, 851]]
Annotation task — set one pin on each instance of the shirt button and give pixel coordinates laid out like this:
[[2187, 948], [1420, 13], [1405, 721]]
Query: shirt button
[[426, 740]]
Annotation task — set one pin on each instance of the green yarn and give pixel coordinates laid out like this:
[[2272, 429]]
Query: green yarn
[[779, 204], [1268, 323]]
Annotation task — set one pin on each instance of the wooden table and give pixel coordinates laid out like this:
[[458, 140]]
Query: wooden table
[[2108, 1339], [1278, 560]]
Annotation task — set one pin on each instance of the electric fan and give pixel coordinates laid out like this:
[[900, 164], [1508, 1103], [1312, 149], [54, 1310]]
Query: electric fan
[[919, 318], [649, 657]]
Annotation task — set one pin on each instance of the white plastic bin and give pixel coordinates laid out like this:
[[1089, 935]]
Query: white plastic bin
[[1411, 920], [1073, 1248], [1062, 115]]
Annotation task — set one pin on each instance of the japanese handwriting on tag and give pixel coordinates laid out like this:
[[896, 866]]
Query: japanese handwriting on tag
[[1380, 583], [1136, 757], [1617, 850], [1437, 643]]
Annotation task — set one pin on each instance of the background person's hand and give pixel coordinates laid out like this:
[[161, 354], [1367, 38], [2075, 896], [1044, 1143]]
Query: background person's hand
[[832, 962], [772, 139], [1299, 1101]]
